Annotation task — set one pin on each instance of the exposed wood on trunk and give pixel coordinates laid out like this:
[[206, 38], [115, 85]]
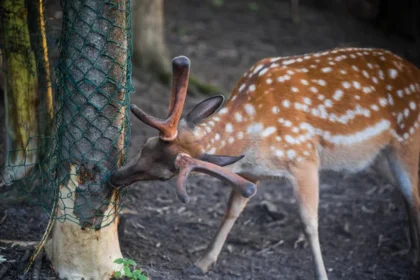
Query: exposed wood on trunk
[[77, 253]]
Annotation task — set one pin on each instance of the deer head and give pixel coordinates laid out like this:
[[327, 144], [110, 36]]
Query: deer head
[[176, 150]]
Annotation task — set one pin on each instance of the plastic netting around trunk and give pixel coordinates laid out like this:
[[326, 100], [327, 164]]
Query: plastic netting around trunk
[[66, 82]]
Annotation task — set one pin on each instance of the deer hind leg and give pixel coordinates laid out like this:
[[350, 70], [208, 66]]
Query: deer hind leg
[[236, 204], [404, 161], [306, 186]]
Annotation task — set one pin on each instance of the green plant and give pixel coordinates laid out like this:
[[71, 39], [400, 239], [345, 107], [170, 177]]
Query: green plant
[[126, 272], [218, 3], [253, 6]]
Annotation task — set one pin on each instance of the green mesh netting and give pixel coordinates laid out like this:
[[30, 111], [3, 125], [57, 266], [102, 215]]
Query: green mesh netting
[[66, 105]]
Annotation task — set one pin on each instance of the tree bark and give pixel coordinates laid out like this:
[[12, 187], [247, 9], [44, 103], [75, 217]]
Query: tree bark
[[150, 51], [21, 90], [45, 110], [92, 129]]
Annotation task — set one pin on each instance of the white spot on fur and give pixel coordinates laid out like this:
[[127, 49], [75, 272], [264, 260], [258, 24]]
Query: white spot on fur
[[286, 103], [365, 73], [381, 74], [374, 107], [383, 102], [223, 111], [322, 83], [390, 99], [326, 69], [262, 72], [268, 131], [288, 62], [338, 94], [356, 85], [288, 123], [346, 84], [238, 117], [406, 112], [275, 110], [249, 109], [328, 103], [279, 153], [229, 128], [291, 154], [313, 89], [254, 128], [393, 73]]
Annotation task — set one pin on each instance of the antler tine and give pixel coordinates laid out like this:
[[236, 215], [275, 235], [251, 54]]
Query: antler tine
[[148, 119], [168, 127], [180, 72], [186, 164]]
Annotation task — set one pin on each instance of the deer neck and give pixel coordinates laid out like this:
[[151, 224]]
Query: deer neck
[[222, 134]]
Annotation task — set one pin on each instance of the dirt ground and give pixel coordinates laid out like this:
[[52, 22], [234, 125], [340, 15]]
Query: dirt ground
[[362, 223]]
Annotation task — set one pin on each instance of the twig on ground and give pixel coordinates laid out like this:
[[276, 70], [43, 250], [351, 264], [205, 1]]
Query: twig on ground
[[263, 251], [19, 243], [127, 211], [197, 249], [4, 217], [301, 240]]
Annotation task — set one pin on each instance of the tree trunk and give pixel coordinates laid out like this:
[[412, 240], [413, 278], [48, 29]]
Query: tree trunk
[[21, 90], [45, 110], [92, 136], [150, 51]]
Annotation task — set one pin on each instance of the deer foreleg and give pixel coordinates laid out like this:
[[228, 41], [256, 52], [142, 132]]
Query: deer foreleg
[[235, 206]]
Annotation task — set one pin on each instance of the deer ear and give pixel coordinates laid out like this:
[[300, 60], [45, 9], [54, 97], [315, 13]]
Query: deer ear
[[221, 160], [204, 109]]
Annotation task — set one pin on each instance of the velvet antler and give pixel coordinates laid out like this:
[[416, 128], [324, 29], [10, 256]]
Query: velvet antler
[[186, 164], [168, 127]]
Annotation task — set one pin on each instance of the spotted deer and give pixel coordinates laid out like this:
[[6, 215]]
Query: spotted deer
[[290, 117]]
